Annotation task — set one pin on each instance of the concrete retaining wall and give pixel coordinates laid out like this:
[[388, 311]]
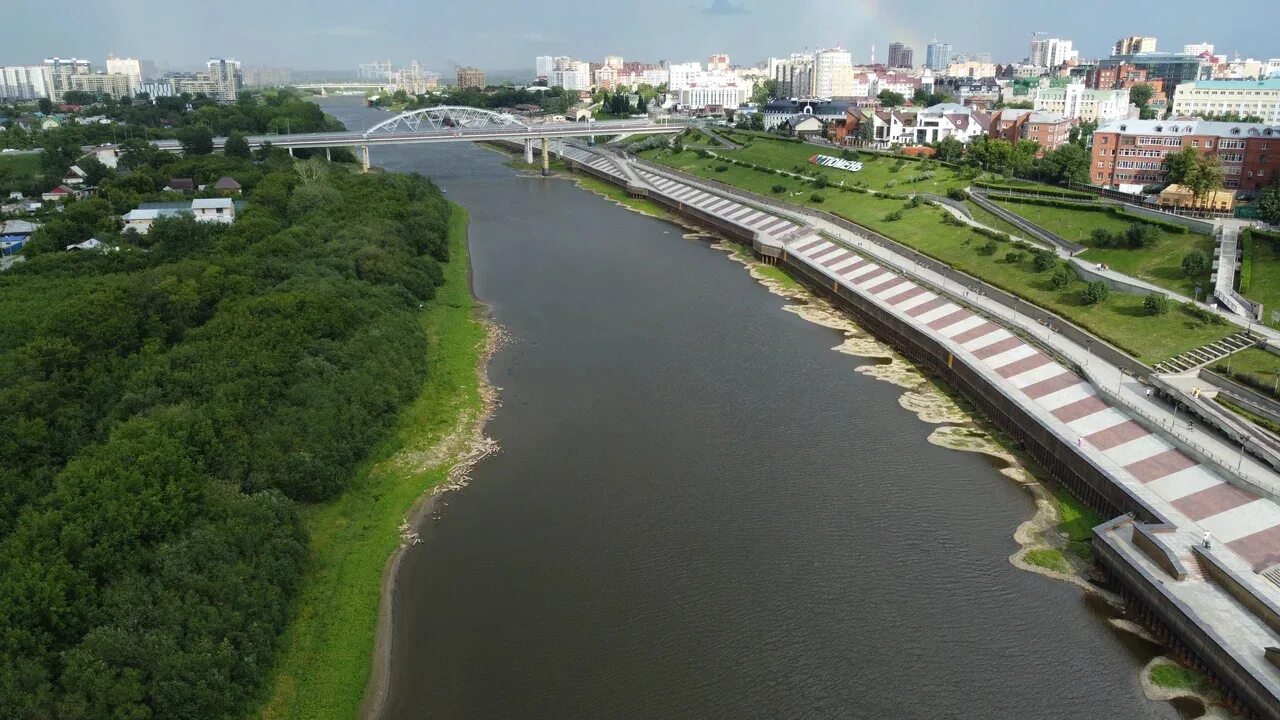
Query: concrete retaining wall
[[1027, 226], [1193, 224], [1088, 273]]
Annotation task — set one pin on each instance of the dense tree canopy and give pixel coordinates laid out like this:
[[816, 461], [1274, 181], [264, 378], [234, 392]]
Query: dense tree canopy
[[166, 404]]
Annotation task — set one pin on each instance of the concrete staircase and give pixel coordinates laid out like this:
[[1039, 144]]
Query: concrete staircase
[[1201, 356]]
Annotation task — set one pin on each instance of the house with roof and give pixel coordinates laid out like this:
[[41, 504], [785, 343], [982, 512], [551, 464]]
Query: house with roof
[[62, 192], [75, 176], [141, 218], [181, 185], [90, 244], [227, 184], [804, 126], [781, 111]]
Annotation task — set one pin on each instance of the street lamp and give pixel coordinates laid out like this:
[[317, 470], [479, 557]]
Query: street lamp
[[1088, 349], [1120, 381]]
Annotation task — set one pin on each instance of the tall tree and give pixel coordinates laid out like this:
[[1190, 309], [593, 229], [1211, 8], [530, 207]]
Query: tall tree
[[237, 146], [890, 98], [1141, 94], [1269, 203], [196, 140], [1205, 177]]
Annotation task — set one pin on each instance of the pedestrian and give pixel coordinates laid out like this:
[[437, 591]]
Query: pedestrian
[[1190, 426], [1148, 392], [1080, 442], [1206, 539]]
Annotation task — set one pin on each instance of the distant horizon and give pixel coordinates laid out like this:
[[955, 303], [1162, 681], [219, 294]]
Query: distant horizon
[[499, 36]]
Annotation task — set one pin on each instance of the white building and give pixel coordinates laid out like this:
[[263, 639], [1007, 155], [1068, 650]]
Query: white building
[[833, 73], [58, 72], [24, 82], [1197, 49], [1052, 52], [1078, 102], [129, 67], [543, 65], [1214, 97], [570, 74], [679, 75], [728, 96], [226, 77]]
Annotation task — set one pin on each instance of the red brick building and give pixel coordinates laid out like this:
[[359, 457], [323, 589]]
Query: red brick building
[[1050, 130], [1128, 154]]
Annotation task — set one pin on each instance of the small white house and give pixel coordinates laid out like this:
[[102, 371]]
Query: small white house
[[90, 244], [214, 210]]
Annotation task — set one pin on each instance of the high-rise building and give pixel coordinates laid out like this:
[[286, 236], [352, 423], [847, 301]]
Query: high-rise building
[[374, 71], [116, 85], [900, 55], [1052, 52], [470, 77], [1197, 49], [1134, 44], [937, 56], [613, 61], [24, 82], [132, 67], [543, 65], [58, 72], [833, 73], [226, 77], [794, 75], [718, 62], [416, 81]]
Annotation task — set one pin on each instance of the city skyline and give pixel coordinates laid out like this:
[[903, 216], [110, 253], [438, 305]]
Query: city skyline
[[503, 37]]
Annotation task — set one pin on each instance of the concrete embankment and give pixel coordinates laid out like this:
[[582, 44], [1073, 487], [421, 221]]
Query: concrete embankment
[[1013, 393]]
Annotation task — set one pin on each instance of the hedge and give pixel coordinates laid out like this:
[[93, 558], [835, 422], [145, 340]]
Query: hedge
[[1037, 190], [1165, 225]]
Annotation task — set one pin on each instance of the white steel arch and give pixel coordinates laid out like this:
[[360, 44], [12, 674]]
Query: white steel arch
[[444, 117]]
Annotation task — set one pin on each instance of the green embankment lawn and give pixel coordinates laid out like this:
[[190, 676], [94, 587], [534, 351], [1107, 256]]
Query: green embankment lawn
[[1159, 264], [1121, 319], [326, 654], [878, 172], [1264, 277], [1049, 558], [1253, 367]]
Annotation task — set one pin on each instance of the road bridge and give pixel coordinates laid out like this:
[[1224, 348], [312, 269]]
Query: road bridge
[[450, 124]]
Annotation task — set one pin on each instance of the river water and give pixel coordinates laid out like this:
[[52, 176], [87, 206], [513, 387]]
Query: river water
[[700, 511]]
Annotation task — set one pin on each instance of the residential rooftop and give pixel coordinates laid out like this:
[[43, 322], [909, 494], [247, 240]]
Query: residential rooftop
[[1191, 126]]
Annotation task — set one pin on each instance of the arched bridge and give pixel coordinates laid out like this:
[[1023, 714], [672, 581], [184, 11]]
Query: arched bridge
[[448, 123]]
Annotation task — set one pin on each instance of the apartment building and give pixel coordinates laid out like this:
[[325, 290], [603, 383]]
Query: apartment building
[[1129, 154], [1134, 44], [937, 56], [1213, 97], [1052, 53], [1081, 103], [470, 77], [900, 55], [58, 72], [1050, 130], [116, 85], [24, 82], [1170, 69], [833, 73]]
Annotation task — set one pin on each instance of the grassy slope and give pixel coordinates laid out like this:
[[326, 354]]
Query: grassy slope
[[1264, 283], [877, 172], [325, 661], [1120, 320], [1160, 264], [1261, 364]]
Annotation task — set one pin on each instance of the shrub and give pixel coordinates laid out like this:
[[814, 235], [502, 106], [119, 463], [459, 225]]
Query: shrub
[[914, 202], [1202, 314], [1102, 238], [1022, 244], [1156, 303], [1043, 261], [1162, 224], [894, 216], [957, 194], [820, 181], [1062, 278], [1140, 235], [816, 197], [721, 168], [989, 248], [1246, 260], [1095, 292], [779, 189], [1013, 258], [1195, 263]]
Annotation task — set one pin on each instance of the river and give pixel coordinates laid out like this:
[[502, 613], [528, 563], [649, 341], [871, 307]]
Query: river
[[700, 511]]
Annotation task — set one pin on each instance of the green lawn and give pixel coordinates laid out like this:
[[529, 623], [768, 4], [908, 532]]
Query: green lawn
[[992, 221], [1120, 320], [16, 168], [325, 660], [1264, 276], [1177, 677], [878, 172], [1253, 367], [1050, 559], [1160, 264]]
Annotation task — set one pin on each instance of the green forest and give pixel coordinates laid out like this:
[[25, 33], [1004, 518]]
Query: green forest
[[169, 403]]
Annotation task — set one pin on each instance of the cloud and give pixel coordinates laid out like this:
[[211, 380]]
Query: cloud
[[726, 7]]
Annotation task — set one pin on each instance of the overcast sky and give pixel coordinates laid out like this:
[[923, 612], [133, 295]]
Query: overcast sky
[[507, 34]]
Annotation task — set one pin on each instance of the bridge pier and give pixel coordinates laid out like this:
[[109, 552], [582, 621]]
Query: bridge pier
[[328, 154], [290, 152], [528, 151], [364, 157], [546, 157]]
